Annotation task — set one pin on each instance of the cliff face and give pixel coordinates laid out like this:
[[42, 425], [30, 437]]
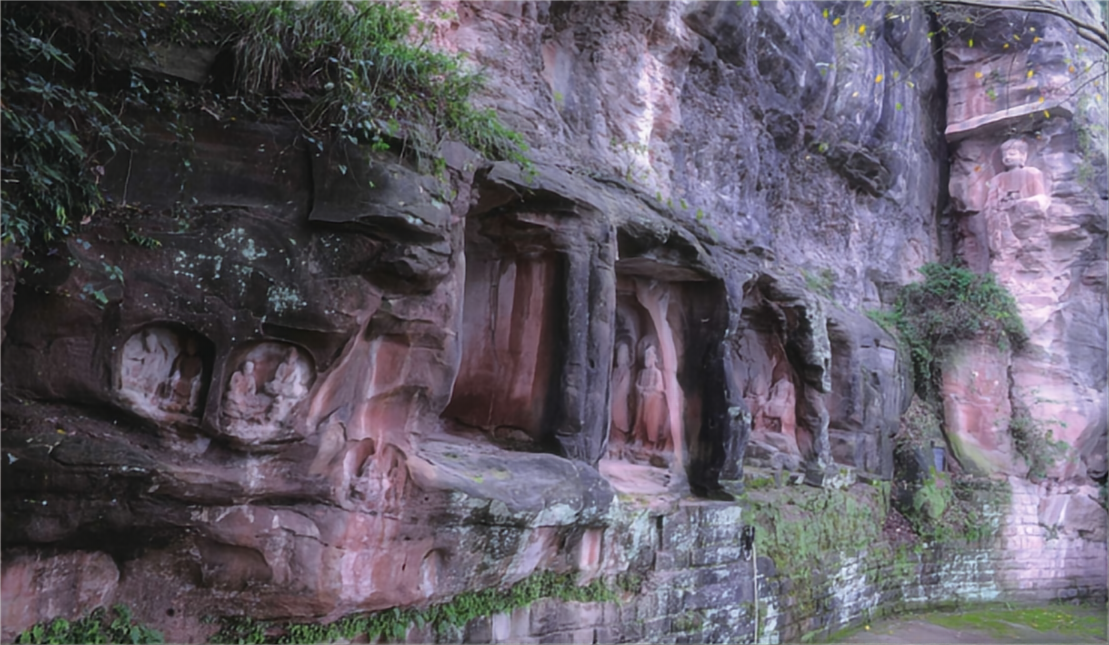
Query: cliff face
[[339, 385]]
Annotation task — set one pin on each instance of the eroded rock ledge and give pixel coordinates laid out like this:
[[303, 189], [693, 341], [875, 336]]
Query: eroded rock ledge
[[342, 386]]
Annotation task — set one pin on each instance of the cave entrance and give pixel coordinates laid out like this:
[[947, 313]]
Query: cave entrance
[[665, 389], [511, 325]]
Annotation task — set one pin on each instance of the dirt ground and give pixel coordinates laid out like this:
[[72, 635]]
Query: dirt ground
[[920, 629]]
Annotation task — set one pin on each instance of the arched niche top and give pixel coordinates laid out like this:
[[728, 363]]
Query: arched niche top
[[266, 382], [163, 371]]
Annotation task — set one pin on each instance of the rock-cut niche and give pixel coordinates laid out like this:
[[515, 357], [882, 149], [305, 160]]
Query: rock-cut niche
[[770, 386], [163, 372], [267, 382], [647, 401], [509, 372]]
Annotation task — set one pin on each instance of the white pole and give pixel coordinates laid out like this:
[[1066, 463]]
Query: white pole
[[755, 561]]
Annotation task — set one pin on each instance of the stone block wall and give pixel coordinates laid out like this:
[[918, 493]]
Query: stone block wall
[[699, 587]]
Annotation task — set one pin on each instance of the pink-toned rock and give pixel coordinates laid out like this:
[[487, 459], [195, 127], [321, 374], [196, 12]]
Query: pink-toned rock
[[976, 406], [38, 587]]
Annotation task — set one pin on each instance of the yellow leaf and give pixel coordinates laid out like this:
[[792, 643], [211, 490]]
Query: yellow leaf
[[867, 3], [1029, 73], [60, 431], [825, 13], [862, 29], [1032, 29], [878, 78], [1005, 46], [1036, 39], [854, 95], [970, 43], [1016, 37], [835, 22], [1041, 99], [1071, 69], [1047, 114], [162, 4], [978, 75]]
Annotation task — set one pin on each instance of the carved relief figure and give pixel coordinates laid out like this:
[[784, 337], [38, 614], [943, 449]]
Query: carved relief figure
[[652, 424], [1018, 189], [182, 391], [243, 401], [272, 378], [285, 387], [157, 376], [621, 389], [145, 362]]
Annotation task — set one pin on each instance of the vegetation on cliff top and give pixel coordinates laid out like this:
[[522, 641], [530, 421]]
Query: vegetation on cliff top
[[79, 78], [951, 304]]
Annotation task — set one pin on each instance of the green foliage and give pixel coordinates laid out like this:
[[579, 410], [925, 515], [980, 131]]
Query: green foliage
[[1034, 441], [821, 282], [999, 620], [951, 304], [369, 73], [361, 72], [393, 624], [116, 626], [56, 131]]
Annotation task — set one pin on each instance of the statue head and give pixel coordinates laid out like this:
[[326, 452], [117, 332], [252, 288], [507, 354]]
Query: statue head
[[622, 354], [1014, 153], [149, 340], [650, 357], [248, 367]]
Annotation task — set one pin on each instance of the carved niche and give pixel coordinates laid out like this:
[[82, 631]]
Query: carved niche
[[163, 372], [267, 382], [646, 422]]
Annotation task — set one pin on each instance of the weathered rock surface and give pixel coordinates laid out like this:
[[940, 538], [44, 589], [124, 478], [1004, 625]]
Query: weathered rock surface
[[338, 390]]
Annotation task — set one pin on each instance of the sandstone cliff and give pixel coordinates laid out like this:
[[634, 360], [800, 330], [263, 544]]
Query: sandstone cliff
[[339, 385]]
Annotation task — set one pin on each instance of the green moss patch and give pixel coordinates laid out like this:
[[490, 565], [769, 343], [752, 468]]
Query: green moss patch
[[1003, 621]]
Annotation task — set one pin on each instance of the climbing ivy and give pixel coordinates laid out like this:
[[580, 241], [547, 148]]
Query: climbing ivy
[[393, 624]]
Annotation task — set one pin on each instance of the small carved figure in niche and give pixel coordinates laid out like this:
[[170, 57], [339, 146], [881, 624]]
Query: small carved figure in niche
[[652, 424], [1018, 182], [1019, 190], [145, 363], [243, 401], [182, 391], [285, 386], [779, 406], [621, 388]]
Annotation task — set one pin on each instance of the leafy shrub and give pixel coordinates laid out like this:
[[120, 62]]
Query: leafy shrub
[[54, 128], [951, 304], [116, 626], [357, 71], [1034, 441]]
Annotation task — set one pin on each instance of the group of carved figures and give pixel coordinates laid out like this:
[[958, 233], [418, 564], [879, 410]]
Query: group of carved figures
[[649, 426], [159, 371], [278, 396], [162, 372]]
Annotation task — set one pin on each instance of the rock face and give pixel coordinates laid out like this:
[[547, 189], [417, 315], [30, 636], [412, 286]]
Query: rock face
[[1030, 202], [340, 385]]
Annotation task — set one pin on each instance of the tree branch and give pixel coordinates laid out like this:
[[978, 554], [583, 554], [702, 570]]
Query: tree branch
[[1092, 32]]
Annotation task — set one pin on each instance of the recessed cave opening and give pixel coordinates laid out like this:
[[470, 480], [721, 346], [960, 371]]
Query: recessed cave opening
[[770, 386], [668, 397], [164, 369], [509, 375]]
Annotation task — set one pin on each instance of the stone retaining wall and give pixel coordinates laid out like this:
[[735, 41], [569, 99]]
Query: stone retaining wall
[[699, 588]]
